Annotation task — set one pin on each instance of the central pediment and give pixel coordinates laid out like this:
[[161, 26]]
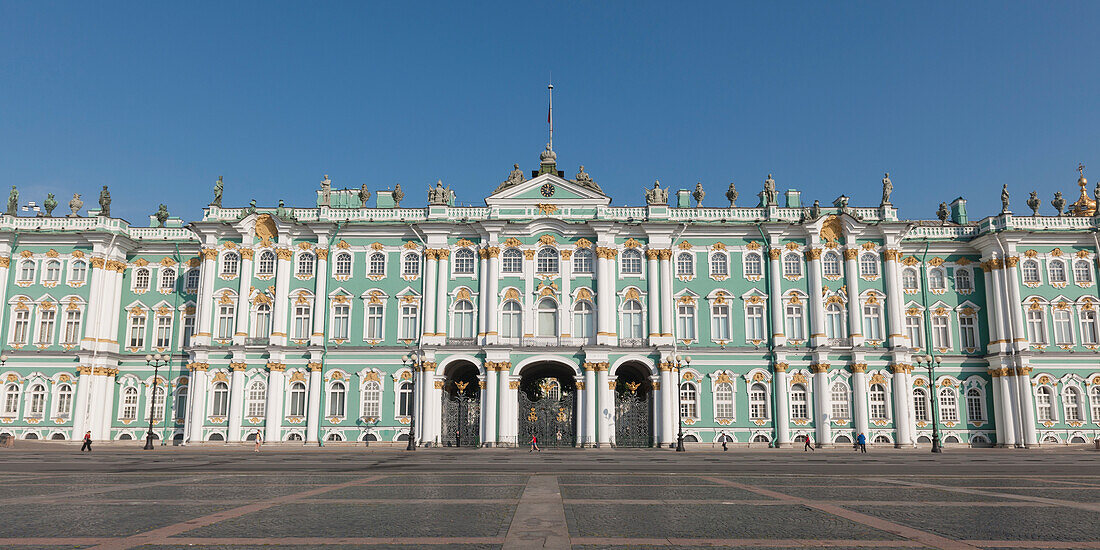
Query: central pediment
[[549, 188]]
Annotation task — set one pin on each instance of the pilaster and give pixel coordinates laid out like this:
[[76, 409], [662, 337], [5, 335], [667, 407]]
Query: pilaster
[[243, 295], [273, 420], [851, 279], [320, 298], [236, 398], [895, 325]]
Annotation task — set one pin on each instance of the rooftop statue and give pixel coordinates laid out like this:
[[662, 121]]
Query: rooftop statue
[[1058, 203], [771, 197], [1034, 203], [280, 211], [364, 194], [219, 187], [731, 194], [698, 195], [251, 208], [162, 215], [440, 196], [656, 196], [75, 204], [815, 210], [887, 189], [515, 177], [105, 202], [50, 203], [585, 180], [943, 212], [326, 191], [397, 195], [13, 202], [1004, 199]]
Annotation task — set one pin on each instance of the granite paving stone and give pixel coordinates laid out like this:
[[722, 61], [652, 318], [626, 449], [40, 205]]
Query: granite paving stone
[[669, 492], [977, 522], [87, 519], [443, 492]]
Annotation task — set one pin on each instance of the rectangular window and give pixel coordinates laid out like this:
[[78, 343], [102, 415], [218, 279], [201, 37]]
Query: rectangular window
[[47, 318], [301, 322], [374, 322], [21, 327], [968, 332], [72, 327], [341, 318], [164, 331], [940, 333], [188, 329], [794, 323], [685, 320], [871, 322], [720, 322], [1088, 331], [913, 330], [1036, 330], [137, 332], [754, 323], [225, 321], [1063, 329], [409, 322]]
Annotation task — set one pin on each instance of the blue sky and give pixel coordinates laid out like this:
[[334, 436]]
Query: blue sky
[[157, 100]]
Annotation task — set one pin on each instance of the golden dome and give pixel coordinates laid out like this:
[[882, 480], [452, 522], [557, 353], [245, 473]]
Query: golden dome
[[1084, 206]]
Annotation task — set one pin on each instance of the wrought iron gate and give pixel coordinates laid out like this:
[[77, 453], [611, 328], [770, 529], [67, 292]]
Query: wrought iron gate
[[461, 421], [548, 419], [632, 416]]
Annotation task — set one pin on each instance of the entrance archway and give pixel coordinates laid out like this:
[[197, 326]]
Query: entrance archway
[[547, 405], [633, 407], [461, 408]]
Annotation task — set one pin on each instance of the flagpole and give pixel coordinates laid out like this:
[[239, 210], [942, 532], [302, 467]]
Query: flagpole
[[550, 114]]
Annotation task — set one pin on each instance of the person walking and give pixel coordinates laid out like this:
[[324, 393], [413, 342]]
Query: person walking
[[259, 440], [534, 444], [862, 442], [87, 446], [809, 445]]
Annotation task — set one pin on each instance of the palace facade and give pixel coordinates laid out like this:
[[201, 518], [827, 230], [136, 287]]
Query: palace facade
[[549, 312]]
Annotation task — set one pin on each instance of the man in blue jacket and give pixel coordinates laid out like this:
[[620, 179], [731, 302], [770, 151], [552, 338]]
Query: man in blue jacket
[[862, 442]]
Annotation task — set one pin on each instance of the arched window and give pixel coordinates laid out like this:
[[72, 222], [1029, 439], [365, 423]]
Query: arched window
[[547, 317], [975, 411], [159, 396], [835, 327], [719, 264], [342, 264], [878, 401], [631, 262], [685, 322], [799, 405], [1071, 402], [872, 322], [1094, 402], [26, 271], [949, 406], [191, 283], [337, 397], [1031, 271], [582, 261], [256, 400], [936, 279], [464, 261], [305, 264], [372, 399], [1082, 273], [511, 317], [920, 405], [53, 271], [261, 327], [839, 396], [792, 265], [909, 279], [685, 264], [167, 278], [511, 261], [962, 280], [230, 262], [180, 408], [219, 405], [688, 401], [377, 264], [758, 402], [334, 437], [266, 265], [830, 264], [1044, 403], [582, 319], [463, 325], [129, 403], [720, 321], [410, 265], [64, 404], [868, 265], [297, 399], [723, 401], [632, 319], [1057, 271], [404, 398], [754, 265], [141, 279], [547, 260]]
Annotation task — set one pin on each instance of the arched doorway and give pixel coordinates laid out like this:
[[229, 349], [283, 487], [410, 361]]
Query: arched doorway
[[461, 408], [633, 407], [548, 405]]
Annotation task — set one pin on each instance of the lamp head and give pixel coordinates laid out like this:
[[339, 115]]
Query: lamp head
[[938, 360], [4, 358], [405, 358], [148, 358]]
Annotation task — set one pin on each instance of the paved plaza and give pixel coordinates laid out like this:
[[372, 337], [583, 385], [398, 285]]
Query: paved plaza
[[122, 497]]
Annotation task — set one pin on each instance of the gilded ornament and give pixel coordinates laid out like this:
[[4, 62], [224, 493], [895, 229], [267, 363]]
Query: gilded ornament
[[514, 242], [774, 253], [831, 229]]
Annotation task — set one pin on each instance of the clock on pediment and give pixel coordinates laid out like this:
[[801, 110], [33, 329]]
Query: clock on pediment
[[547, 189]]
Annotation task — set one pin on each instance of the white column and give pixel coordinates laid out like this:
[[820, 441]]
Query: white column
[[492, 299], [1015, 305], [851, 279], [508, 405], [273, 420], [782, 411], [320, 298], [95, 421], [823, 401], [668, 416], [489, 412], [667, 299], [243, 292], [1027, 405], [994, 323], [775, 303], [106, 416], [590, 404], [282, 297], [605, 404], [605, 296], [313, 408], [653, 284], [81, 416], [817, 304], [1008, 417], [442, 282], [430, 431], [236, 401], [205, 298], [566, 313], [482, 296], [196, 391], [895, 325], [859, 399], [431, 271], [901, 406], [998, 412]]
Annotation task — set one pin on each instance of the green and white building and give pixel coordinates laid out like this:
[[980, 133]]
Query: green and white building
[[550, 312]]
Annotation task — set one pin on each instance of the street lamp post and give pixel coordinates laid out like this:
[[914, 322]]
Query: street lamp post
[[678, 361], [931, 362], [156, 361], [413, 359]]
